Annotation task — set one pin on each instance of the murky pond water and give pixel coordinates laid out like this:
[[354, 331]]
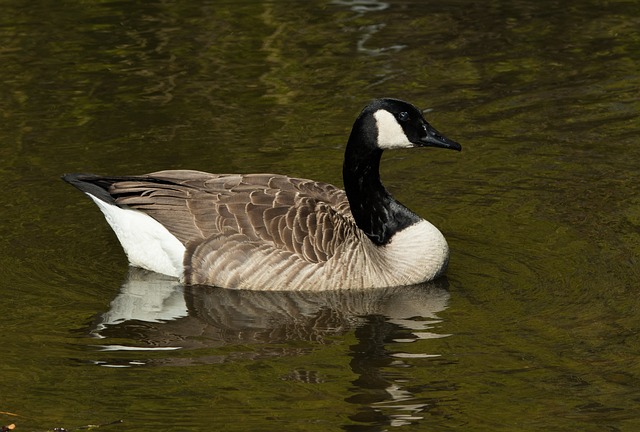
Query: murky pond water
[[536, 326]]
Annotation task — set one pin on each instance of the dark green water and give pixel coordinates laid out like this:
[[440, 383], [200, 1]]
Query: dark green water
[[536, 326]]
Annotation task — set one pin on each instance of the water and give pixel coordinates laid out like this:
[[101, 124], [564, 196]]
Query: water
[[535, 326]]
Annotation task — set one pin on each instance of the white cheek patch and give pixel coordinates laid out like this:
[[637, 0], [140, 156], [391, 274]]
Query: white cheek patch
[[390, 133]]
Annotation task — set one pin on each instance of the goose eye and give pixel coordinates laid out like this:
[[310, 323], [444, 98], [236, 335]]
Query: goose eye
[[403, 116]]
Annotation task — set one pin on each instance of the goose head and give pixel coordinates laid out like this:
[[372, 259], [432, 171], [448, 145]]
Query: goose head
[[387, 124], [399, 124]]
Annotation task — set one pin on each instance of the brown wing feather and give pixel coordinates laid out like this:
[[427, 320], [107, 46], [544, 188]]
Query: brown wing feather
[[303, 217]]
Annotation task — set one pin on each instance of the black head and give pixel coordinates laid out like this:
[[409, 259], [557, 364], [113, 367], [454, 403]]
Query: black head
[[401, 125]]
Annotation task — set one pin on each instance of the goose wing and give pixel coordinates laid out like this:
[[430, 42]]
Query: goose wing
[[305, 218]]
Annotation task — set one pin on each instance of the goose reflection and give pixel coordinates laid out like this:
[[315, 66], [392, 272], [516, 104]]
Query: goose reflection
[[158, 311]]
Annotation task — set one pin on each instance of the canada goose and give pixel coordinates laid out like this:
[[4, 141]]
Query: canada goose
[[269, 231]]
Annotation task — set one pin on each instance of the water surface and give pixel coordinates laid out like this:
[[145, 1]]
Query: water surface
[[535, 326]]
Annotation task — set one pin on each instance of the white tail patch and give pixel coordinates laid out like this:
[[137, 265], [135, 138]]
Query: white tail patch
[[147, 243], [390, 133]]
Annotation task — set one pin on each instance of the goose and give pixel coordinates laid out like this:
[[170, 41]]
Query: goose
[[275, 232]]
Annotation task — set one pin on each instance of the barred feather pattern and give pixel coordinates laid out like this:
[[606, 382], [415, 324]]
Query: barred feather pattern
[[266, 231]]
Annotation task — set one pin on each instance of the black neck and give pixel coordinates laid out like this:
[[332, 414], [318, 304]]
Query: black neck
[[375, 211]]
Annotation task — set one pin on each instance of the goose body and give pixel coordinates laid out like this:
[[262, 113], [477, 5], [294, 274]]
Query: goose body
[[269, 231]]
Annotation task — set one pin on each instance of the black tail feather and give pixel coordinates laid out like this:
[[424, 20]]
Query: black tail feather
[[99, 186], [95, 185]]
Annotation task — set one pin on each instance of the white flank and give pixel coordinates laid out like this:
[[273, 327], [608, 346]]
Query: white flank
[[146, 242], [418, 253], [390, 133]]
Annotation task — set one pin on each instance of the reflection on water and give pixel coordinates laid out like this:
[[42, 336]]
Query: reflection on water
[[366, 32], [201, 316], [156, 313], [363, 6]]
